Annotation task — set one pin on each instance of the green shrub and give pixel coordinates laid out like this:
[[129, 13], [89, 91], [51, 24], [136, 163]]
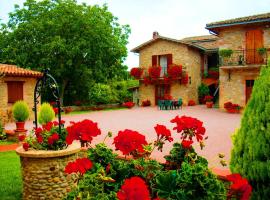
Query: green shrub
[[250, 155], [20, 111], [262, 51], [46, 113], [102, 94], [203, 90], [120, 89], [226, 53]]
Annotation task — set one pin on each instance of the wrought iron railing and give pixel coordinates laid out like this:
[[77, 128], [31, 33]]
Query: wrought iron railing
[[244, 57]]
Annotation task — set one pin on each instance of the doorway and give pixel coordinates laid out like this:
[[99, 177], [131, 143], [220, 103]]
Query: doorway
[[160, 91], [249, 86], [254, 40]]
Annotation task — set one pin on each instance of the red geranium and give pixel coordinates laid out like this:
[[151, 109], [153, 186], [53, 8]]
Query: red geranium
[[21, 137], [39, 139], [189, 127], [191, 103], [26, 146], [175, 71], [55, 111], [185, 79], [128, 141], [146, 81], [53, 138], [84, 131], [154, 72], [134, 188], [163, 132], [136, 72], [208, 98], [80, 165], [48, 126], [239, 186], [186, 143], [128, 104]]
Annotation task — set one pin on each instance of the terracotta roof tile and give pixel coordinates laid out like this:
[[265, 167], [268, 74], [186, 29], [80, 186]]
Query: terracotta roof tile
[[204, 42], [13, 70], [200, 38], [248, 19]]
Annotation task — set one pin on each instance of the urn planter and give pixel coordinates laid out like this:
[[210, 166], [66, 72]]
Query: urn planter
[[43, 172]]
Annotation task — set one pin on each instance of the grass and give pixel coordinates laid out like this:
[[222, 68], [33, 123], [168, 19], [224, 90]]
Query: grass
[[88, 111], [5, 142], [10, 176]]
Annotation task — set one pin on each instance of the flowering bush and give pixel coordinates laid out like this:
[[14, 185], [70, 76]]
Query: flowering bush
[[175, 71], [128, 104], [80, 165], [232, 108], [146, 103], [185, 175], [191, 103], [208, 98], [136, 72], [154, 71], [240, 187]]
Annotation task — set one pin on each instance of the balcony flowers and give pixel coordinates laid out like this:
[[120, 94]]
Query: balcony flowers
[[175, 71], [136, 72], [146, 80], [208, 101], [231, 107], [154, 72], [128, 104]]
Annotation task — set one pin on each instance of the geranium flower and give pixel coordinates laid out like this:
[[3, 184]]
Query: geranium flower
[[80, 165], [26, 146], [128, 141], [134, 188], [21, 137], [240, 185], [163, 132], [38, 131], [186, 143], [39, 139], [53, 138], [56, 111], [47, 126]]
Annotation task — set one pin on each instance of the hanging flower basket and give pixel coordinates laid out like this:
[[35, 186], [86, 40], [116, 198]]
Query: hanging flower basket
[[154, 72], [136, 72]]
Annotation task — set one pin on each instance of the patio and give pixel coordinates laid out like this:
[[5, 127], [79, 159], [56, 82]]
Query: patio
[[219, 127]]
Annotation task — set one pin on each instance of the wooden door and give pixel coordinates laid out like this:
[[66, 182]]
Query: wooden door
[[160, 91], [254, 40], [249, 86]]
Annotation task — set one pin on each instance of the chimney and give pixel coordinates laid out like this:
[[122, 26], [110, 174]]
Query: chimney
[[155, 35]]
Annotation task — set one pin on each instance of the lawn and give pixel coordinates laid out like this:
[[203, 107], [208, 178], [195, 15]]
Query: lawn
[[10, 176], [5, 142]]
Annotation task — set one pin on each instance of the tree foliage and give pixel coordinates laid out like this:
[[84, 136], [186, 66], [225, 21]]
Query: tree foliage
[[250, 155], [81, 44]]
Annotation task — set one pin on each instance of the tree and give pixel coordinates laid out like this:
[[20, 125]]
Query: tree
[[81, 44], [250, 155]]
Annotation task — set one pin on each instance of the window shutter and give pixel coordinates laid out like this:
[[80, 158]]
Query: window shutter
[[15, 91], [169, 59], [154, 60]]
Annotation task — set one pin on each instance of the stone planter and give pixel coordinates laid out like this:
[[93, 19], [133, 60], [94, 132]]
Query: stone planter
[[43, 172]]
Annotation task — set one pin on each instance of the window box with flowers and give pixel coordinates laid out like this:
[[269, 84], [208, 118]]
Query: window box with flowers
[[136, 72], [175, 71], [154, 72], [184, 175]]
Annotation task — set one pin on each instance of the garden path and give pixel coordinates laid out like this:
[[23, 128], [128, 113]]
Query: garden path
[[219, 127]]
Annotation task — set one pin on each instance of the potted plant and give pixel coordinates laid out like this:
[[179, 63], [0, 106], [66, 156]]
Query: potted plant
[[203, 90], [20, 112], [208, 101], [191, 103], [262, 51]]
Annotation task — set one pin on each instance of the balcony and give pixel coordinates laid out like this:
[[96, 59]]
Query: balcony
[[252, 57]]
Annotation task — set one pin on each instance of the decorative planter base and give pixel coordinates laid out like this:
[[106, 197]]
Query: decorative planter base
[[43, 172]]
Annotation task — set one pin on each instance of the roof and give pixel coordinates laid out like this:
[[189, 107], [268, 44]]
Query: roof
[[203, 42], [265, 17], [13, 70], [159, 37]]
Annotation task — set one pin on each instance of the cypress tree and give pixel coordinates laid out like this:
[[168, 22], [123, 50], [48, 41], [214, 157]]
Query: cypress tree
[[250, 155]]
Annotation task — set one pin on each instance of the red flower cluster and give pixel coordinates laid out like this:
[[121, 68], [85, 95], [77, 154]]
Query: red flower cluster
[[208, 98], [26, 146], [134, 188], [56, 111], [136, 72], [191, 103], [128, 104], [52, 139], [67, 110], [239, 185], [163, 132], [128, 141], [146, 103], [154, 72], [167, 97], [185, 79], [186, 143], [231, 107], [80, 165], [175, 71], [189, 127], [21, 137], [84, 131], [146, 81]]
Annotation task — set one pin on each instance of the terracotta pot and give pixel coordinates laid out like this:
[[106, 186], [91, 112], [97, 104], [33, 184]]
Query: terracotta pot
[[20, 126], [209, 104]]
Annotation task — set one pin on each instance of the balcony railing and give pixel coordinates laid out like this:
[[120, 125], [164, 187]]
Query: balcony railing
[[245, 57]]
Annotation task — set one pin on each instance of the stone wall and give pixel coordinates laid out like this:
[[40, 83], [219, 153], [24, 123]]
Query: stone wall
[[43, 173], [28, 96], [190, 58], [234, 89]]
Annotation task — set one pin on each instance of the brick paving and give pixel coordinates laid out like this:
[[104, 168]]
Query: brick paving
[[219, 127]]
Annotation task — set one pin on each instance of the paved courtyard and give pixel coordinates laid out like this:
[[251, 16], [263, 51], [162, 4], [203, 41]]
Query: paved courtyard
[[219, 127]]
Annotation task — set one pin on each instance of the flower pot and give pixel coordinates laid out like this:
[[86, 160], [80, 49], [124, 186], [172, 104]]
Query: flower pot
[[209, 104], [43, 172], [20, 126]]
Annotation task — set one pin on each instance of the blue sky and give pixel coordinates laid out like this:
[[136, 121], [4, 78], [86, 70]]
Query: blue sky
[[171, 18]]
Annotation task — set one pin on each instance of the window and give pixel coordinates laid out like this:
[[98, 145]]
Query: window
[[15, 91], [163, 61]]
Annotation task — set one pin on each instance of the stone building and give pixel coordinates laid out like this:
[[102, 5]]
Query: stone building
[[192, 53], [16, 84], [245, 36]]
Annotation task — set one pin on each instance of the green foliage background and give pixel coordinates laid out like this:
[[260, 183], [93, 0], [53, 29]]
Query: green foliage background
[[250, 155]]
